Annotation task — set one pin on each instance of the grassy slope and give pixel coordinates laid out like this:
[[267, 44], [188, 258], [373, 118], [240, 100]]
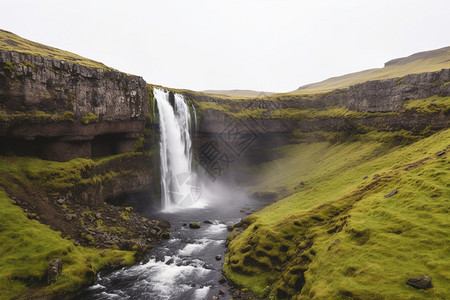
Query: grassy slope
[[12, 42], [26, 246], [428, 61], [340, 230]]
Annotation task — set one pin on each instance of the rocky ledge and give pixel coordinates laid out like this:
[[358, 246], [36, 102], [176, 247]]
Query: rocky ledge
[[60, 110]]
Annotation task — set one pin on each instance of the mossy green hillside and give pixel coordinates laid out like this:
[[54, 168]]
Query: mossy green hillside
[[27, 246], [335, 235], [429, 61], [434, 104], [12, 42], [56, 176]]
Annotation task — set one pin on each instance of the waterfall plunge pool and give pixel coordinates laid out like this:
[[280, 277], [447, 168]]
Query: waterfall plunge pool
[[185, 266]]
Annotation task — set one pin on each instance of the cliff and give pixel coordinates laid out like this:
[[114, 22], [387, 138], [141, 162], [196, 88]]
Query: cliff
[[391, 105], [73, 142], [60, 110]]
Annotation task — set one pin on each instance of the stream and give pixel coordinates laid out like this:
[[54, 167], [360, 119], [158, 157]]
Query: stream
[[184, 266]]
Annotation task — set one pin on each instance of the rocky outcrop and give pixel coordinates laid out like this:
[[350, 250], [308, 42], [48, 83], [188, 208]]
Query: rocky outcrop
[[112, 180], [389, 95], [379, 104], [60, 110]]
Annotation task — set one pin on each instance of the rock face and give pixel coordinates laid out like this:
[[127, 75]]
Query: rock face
[[377, 103], [234, 132], [60, 110]]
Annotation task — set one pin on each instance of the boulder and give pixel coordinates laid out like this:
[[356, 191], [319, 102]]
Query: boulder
[[164, 224], [423, 282], [54, 270], [194, 225]]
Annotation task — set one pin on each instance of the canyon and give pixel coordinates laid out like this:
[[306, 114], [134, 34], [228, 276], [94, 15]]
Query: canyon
[[82, 139]]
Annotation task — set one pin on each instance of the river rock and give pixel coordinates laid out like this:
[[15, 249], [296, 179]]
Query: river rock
[[208, 222], [164, 224], [194, 225], [54, 270], [69, 217], [165, 235], [423, 282], [218, 257]]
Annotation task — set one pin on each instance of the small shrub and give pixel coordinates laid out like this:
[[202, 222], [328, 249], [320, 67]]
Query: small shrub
[[9, 67], [89, 118], [67, 116]]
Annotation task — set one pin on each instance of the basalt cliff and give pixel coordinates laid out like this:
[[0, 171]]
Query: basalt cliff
[[60, 110]]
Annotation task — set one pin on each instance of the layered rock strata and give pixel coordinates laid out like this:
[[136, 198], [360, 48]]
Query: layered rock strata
[[60, 110]]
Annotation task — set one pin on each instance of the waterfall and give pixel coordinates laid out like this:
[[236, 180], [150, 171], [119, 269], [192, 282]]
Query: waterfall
[[178, 182]]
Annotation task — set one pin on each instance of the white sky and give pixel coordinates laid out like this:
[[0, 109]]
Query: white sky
[[270, 45]]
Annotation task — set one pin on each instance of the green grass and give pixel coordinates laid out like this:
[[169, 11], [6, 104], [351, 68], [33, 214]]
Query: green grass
[[237, 110], [89, 118], [55, 176], [26, 247], [12, 42], [429, 105], [335, 228], [37, 116]]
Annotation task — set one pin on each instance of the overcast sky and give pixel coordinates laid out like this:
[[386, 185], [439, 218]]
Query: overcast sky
[[270, 45]]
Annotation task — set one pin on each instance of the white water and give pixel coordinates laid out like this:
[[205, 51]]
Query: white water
[[178, 182]]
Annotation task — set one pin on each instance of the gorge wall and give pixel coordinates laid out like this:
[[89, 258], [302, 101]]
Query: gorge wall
[[59, 110], [242, 131], [380, 104]]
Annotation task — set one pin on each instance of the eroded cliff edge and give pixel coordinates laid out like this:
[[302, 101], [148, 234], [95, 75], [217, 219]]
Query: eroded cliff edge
[[59, 110], [384, 104]]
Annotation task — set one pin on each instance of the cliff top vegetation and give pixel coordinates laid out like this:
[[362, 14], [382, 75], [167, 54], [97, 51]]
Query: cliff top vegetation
[[12, 42], [427, 61]]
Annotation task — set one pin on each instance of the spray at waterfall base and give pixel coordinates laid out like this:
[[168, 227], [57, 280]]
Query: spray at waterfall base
[[183, 179]]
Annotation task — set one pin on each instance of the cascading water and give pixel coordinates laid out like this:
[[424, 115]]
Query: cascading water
[[189, 264], [178, 182]]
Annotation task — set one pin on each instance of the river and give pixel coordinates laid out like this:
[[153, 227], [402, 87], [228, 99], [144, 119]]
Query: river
[[186, 266]]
